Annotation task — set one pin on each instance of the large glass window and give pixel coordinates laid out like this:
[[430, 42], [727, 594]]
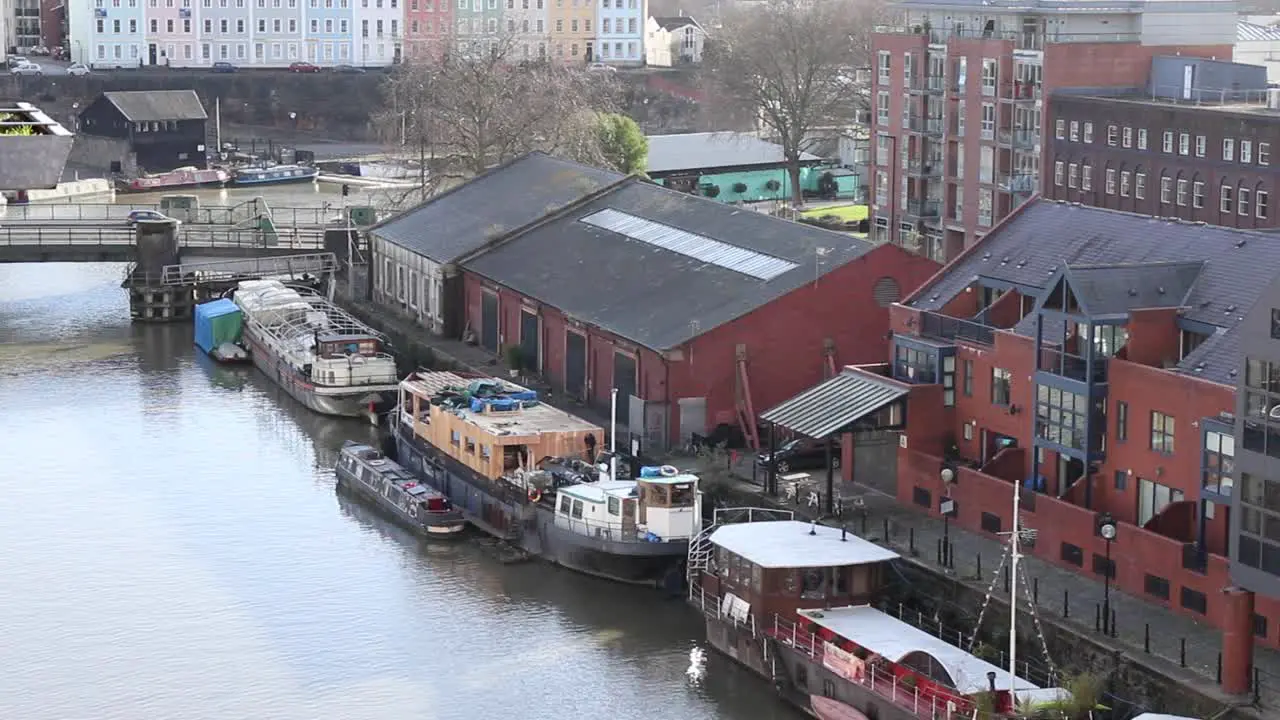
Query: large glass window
[[1001, 386], [1161, 432], [914, 365], [1218, 471], [1259, 523], [1061, 417], [1262, 407], [1153, 498]]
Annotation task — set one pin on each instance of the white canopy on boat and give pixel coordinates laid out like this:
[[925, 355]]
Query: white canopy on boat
[[795, 544], [896, 641]]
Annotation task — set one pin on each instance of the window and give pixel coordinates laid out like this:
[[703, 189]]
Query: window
[[1166, 190], [884, 63], [1086, 177], [1259, 523], [1125, 175], [1156, 586], [914, 365], [949, 381], [1140, 186], [1197, 194], [1088, 132], [1126, 137], [1110, 181], [1228, 149], [1073, 175], [1120, 480], [1061, 417], [1219, 462], [1264, 153], [1161, 432], [1059, 171], [1246, 151], [1242, 202], [968, 378], [1113, 135], [1075, 131], [1182, 193], [1142, 138], [1184, 144], [1166, 143], [882, 105], [1001, 380], [1224, 199], [1200, 145], [1060, 129], [1260, 200]]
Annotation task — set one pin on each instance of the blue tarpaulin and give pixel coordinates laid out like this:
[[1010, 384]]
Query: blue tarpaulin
[[215, 324]]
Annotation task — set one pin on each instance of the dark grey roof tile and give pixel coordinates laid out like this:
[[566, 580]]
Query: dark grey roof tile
[[156, 105]]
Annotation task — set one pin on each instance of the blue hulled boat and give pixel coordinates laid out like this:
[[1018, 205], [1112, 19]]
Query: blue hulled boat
[[274, 175]]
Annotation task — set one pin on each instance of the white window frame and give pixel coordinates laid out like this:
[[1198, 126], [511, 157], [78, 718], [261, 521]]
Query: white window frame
[[1088, 132], [1166, 142], [1180, 192], [1261, 198], [1166, 190], [1142, 138], [1224, 199], [1125, 179], [1110, 182], [1242, 201], [1059, 172], [1201, 145], [1113, 135], [1264, 153], [1228, 149], [1075, 131], [1126, 137], [1246, 152], [1086, 178], [1197, 194], [1073, 175], [1060, 129], [1140, 186]]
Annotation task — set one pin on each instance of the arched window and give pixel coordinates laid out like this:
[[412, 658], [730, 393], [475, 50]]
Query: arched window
[[1261, 204], [1226, 198]]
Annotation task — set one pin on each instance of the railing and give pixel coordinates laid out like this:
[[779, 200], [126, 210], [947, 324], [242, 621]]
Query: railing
[[85, 212], [1021, 40], [1018, 182], [937, 325], [1182, 95], [302, 239], [1021, 91], [1070, 365], [230, 270], [927, 84], [929, 125], [1018, 138], [924, 209], [876, 677], [925, 168]]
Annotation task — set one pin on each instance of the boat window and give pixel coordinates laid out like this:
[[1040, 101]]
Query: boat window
[[471, 446], [577, 510], [682, 495], [455, 437], [484, 452], [722, 561], [814, 583], [757, 578], [565, 503], [842, 580], [615, 506]]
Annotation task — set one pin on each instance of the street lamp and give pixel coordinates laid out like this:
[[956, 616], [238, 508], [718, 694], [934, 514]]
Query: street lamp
[[1107, 529]]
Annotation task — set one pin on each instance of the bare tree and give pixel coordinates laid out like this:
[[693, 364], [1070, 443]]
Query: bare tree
[[797, 64], [470, 111]]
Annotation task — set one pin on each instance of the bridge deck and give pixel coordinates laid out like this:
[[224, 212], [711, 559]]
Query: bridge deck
[[233, 270]]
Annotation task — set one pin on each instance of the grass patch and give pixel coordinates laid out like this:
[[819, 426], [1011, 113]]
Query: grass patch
[[845, 213]]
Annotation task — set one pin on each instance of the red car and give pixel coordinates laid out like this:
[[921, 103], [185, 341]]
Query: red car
[[304, 67]]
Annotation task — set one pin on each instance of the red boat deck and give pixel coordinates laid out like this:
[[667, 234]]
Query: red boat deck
[[827, 709]]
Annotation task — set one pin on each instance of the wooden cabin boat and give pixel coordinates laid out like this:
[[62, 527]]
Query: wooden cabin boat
[[791, 601], [364, 471], [529, 474]]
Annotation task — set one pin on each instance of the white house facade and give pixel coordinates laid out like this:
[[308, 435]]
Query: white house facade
[[671, 41]]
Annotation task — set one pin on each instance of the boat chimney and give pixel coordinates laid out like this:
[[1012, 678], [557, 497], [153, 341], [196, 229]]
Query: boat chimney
[[844, 534], [813, 528], [991, 680]]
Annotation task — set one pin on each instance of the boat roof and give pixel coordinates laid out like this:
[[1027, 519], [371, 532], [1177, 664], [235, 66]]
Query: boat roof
[[795, 544], [671, 479], [598, 491], [895, 640], [389, 469], [533, 419]]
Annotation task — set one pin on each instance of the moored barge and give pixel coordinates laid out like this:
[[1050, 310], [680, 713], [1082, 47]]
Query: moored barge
[[183, 177], [528, 473], [792, 602], [364, 471]]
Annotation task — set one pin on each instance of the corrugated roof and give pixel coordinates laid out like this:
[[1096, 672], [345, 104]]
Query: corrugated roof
[[704, 151], [655, 296], [156, 105], [1032, 246], [834, 404], [1118, 289], [501, 201], [1253, 32]]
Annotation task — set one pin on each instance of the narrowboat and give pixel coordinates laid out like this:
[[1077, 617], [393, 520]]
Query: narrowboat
[[529, 474], [183, 177], [793, 602], [274, 175], [320, 354], [364, 471]]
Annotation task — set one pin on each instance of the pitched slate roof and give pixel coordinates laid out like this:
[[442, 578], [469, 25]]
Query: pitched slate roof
[[701, 151], [1117, 289], [659, 267], [498, 202], [675, 22], [149, 105], [1031, 247]]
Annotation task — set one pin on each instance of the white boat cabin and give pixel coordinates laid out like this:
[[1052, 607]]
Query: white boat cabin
[[345, 359], [657, 509]]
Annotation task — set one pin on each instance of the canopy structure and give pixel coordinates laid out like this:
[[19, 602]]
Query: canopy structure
[[835, 405]]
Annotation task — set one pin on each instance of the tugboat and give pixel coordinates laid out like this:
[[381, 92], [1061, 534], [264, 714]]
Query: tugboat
[[529, 474], [274, 175], [365, 472]]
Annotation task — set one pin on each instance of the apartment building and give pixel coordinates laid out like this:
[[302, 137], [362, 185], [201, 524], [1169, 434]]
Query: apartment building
[[1195, 144], [960, 87], [428, 29]]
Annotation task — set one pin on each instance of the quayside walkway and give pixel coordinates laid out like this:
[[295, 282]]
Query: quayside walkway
[[118, 244]]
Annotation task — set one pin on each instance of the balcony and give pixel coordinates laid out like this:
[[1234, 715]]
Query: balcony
[[922, 209], [1021, 92], [1018, 138], [926, 85], [1021, 40], [943, 327], [1017, 183], [931, 168], [1072, 366], [927, 125]]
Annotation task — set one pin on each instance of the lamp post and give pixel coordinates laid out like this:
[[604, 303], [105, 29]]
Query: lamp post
[[1107, 529]]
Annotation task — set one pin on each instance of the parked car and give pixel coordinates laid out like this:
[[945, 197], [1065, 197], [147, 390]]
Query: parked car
[[348, 69], [136, 215], [304, 67], [801, 454], [601, 67], [15, 60], [78, 69], [224, 67], [27, 69]]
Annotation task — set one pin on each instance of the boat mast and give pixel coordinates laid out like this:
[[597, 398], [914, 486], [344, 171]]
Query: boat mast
[[217, 123], [1013, 592], [613, 434]]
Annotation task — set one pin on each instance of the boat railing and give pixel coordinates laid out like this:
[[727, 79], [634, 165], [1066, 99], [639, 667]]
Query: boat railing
[[878, 677], [604, 531], [712, 606]]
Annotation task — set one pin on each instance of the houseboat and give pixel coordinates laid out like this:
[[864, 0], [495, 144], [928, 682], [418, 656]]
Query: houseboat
[[365, 472], [274, 175], [529, 474], [323, 357], [792, 602], [183, 177]]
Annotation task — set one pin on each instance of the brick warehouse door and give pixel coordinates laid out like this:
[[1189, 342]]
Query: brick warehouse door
[[624, 378], [575, 364], [875, 460], [529, 340], [489, 321]]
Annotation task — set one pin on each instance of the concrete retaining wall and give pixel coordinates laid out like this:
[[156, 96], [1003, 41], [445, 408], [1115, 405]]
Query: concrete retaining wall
[[74, 189], [99, 152]]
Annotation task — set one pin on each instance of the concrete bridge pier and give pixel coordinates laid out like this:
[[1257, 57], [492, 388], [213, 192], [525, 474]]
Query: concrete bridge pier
[[150, 299]]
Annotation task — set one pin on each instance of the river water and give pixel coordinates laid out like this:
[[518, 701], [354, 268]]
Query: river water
[[172, 547]]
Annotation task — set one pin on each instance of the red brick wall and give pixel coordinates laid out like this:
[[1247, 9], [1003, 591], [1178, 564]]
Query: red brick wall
[[1153, 337], [1096, 65]]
